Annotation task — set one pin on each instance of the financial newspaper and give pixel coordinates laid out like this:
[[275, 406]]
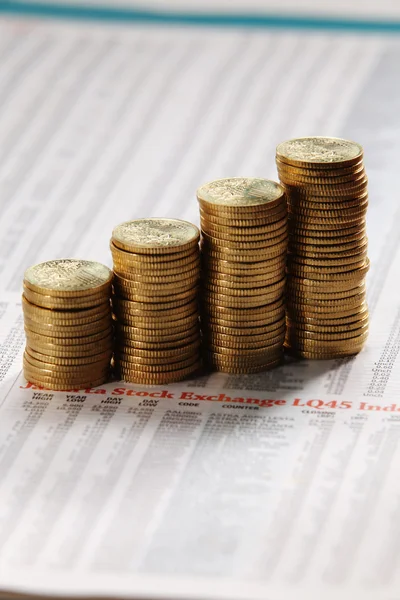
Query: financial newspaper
[[273, 486]]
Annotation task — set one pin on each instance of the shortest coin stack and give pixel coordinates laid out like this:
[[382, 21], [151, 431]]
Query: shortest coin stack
[[243, 249], [155, 305], [68, 324]]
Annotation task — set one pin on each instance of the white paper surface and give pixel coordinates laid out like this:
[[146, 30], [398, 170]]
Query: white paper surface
[[275, 486]]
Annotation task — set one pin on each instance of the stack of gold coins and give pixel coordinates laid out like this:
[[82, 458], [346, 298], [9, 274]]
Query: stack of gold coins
[[155, 301], [243, 247], [68, 324], [326, 186]]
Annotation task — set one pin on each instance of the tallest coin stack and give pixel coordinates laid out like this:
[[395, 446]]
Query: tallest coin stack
[[326, 186]]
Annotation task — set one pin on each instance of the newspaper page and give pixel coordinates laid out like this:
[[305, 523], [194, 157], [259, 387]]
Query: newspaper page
[[272, 486]]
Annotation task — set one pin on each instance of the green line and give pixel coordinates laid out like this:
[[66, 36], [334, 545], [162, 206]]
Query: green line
[[234, 20]]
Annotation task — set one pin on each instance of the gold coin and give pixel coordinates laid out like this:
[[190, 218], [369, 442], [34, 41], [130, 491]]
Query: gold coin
[[321, 286], [260, 222], [74, 331], [157, 335], [236, 345], [325, 252], [163, 322], [335, 321], [147, 262], [208, 242], [147, 344], [158, 277], [301, 314], [329, 258], [172, 353], [331, 265], [304, 222], [295, 294], [244, 369], [102, 338], [317, 170], [264, 243], [123, 309], [336, 318], [218, 288], [290, 177], [247, 335], [316, 305], [331, 261], [240, 195], [175, 306], [160, 287], [305, 327], [252, 220], [58, 303], [55, 317], [158, 361], [324, 273], [245, 256], [334, 206], [234, 233], [324, 152], [337, 214], [155, 236], [295, 334], [147, 276], [314, 217], [71, 340], [137, 376], [246, 331], [249, 358], [326, 345], [328, 316], [228, 267], [63, 387], [84, 360], [52, 375], [241, 276], [302, 204], [246, 313], [212, 298], [130, 363], [159, 327], [68, 369], [76, 352], [326, 355], [69, 277], [146, 332], [165, 288], [213, 279], [214, 320], [297, 311], [316, 198], [160, 301], [342, 192], [312, 234], [338, 183]]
